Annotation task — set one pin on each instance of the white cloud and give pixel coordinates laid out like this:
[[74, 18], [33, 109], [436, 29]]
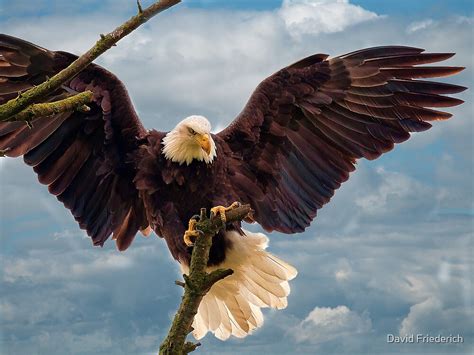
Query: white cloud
[[444, 272], [322, 16], [20, 269], [389, 188], [431, 316], [419, 25], [109, 262], [324, 324], [419, 313], [343, 270], [78, 261], [342, 274]]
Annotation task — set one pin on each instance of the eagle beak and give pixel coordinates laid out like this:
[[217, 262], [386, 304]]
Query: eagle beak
[[204, 142]]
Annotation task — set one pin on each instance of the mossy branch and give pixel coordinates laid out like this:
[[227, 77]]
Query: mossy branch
[[34, 95], [73, 103], [198, 282]]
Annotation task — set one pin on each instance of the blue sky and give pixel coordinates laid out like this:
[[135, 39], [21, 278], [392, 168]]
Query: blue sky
[[391, 253], [403, 8]]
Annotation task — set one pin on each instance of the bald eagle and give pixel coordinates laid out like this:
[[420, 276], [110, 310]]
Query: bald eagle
[[294, 143]]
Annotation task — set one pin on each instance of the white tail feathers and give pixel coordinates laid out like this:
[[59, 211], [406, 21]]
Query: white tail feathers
[[260, 279]]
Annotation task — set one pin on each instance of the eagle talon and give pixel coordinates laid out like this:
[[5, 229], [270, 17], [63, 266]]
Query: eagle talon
[[188, 235], [192, 232], [221, 210]]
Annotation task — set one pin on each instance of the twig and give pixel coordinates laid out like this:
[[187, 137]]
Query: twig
[[35, 94], [179, 283], [199, 282], [74, 103]]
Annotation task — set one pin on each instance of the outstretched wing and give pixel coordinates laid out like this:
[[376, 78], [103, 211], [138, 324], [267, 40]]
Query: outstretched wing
[[84, 158], [303, 128]]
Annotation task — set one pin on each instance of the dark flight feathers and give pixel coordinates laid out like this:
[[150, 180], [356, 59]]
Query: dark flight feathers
[[303, 128], [82, 157], [292, 146]]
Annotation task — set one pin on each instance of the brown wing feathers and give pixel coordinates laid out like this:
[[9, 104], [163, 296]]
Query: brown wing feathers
[[292, 146], [83, 158], [307, 124], [22, 65]]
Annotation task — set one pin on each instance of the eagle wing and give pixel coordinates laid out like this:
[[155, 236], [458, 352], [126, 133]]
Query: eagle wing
[[303, 128], [86, 159]]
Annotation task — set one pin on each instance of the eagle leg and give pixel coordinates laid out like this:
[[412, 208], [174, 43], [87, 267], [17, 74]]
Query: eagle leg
[[221, 210], [192, 232]]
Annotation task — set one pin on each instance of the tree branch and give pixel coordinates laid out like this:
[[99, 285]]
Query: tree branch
[[199, 282], [33, 95], [72, 103]]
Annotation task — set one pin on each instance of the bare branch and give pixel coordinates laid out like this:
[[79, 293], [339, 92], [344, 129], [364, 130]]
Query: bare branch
[[140, 9], [179, 283], [189, 347], [35, 94], [199, 282]]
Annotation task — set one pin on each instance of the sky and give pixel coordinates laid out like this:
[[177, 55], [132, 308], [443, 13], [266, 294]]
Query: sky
[[390, 254]]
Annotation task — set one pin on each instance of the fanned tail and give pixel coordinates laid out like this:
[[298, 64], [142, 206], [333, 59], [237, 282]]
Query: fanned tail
[[260, 280]]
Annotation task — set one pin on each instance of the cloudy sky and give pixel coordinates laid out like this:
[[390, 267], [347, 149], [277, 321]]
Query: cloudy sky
[[391, 254]]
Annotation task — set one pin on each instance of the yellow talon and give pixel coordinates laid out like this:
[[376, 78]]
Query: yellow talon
[[221, 210], [191, 232]]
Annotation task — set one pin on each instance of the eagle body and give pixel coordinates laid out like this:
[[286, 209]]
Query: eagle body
[[292, 146], [172, 193]]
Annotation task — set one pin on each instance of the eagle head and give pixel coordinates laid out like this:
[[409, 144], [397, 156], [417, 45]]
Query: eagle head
[[190, 139]]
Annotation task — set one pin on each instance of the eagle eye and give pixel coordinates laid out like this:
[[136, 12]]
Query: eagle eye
[[192, 131]]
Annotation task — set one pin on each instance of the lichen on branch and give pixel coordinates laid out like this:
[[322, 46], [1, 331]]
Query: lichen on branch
[[73, 103]]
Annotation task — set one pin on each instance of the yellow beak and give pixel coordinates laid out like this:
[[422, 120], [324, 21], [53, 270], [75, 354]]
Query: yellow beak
[[204, 142]]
